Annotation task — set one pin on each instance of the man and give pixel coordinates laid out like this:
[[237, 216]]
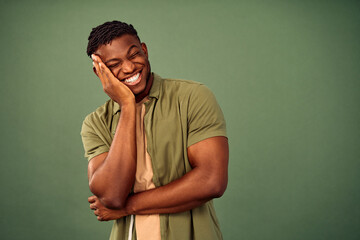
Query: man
[[157, 149]]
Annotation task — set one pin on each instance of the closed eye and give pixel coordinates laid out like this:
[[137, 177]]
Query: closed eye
[[113, 65], [133, 55]]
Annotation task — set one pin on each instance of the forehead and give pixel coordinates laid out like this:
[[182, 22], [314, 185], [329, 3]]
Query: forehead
[[118, 47]]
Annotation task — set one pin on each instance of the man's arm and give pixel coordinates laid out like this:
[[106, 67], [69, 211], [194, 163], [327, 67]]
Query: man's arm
[[111, 175], [207, 180]]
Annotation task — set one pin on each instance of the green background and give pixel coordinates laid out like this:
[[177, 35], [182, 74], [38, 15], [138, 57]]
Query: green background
[[286, 74]]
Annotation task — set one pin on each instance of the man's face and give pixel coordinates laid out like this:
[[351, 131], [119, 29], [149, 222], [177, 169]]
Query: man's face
[[127, 59]]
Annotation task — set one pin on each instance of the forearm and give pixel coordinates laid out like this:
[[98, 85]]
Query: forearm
[[192, 190], [167, 210], [113, 179], [111, 214], [105, 214]]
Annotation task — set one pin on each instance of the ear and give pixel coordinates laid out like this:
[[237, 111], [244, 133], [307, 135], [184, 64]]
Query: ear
[[144, 48]]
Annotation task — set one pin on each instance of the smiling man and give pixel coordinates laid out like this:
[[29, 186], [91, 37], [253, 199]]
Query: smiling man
[[157, 149]]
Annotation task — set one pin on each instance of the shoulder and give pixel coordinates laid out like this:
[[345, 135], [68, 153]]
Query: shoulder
[[184, 88], [179, 84]]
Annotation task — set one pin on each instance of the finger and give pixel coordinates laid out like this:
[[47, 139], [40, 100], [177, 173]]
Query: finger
[[103, 68], [97, 63], [99, 71], [97, 212], [107, 73], [99, 218], [93, 206], [92, 199], [97, 59], [97, 68], [104, 80]]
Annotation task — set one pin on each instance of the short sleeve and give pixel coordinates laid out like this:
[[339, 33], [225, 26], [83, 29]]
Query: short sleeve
[[205, 118], [94, 143]]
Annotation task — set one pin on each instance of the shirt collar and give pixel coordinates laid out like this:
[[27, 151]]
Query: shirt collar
[[154, 92]]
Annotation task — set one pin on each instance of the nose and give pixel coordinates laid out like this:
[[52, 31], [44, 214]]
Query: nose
[[128, 66]]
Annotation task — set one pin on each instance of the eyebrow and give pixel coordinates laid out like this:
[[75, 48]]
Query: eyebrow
[[117, 59]]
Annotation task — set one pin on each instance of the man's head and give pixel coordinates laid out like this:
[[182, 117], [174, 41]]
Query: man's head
[[106, 32], [119, 47]]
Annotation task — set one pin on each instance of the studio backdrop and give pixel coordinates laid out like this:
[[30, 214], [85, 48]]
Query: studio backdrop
[[285, 73]]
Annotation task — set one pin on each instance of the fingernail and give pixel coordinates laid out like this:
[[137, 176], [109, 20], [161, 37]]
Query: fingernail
[[92, 56], [100, 65], [93, 64]]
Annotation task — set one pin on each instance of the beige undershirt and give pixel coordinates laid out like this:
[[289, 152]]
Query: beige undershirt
[[147, 226]]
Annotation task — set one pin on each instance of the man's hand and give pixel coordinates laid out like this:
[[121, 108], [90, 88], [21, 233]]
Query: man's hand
[[103, 213], [112, 86]]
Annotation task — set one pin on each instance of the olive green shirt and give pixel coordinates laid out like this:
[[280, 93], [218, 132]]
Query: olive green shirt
[[178, 114]]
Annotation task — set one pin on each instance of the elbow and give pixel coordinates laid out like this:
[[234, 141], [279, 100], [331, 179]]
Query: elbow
[[113, 203], [109, 200], [94, 189], [218, 192], [217, 188]]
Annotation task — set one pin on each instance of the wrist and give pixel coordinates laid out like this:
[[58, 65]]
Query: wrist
[[130, 104], [124, 100], [129, 208]]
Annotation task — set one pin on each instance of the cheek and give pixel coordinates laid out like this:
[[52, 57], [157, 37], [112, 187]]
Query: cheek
[[141, 60]]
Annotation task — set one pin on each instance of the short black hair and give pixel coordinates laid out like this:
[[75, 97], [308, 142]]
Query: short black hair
[[106, 32]]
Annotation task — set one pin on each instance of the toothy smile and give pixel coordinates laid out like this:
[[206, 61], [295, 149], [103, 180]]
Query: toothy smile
[[133, 79]]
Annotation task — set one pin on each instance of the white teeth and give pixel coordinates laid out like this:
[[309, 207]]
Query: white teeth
[[133, 78]]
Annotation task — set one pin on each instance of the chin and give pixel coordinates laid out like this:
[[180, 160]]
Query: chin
[[139, 89]]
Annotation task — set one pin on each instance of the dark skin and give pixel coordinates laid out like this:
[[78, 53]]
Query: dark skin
[[112, 174]]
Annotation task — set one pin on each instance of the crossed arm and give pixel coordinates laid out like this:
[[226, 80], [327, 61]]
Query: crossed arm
[[207, 180]]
